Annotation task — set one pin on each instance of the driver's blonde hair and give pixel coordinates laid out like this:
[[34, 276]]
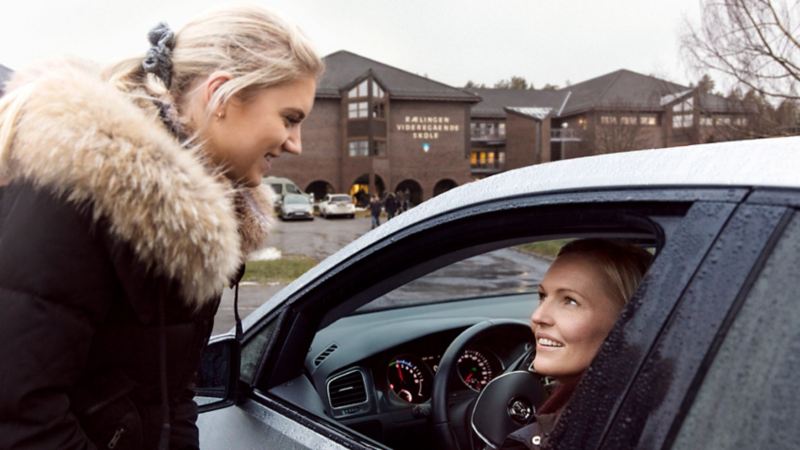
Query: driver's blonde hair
[[623, 264]]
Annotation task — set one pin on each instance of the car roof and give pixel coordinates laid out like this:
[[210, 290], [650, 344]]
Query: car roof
[[759, 162]]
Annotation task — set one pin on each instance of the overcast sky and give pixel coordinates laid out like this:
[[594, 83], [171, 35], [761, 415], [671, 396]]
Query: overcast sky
[[447, 40]]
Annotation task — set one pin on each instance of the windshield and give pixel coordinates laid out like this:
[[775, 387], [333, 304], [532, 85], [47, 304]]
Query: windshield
[[296, 199], [340, 199]]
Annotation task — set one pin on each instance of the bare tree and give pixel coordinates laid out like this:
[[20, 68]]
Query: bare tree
[[753, 41], [515, 82]]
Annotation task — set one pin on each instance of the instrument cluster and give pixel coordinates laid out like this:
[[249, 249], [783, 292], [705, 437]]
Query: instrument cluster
[[409, 378]]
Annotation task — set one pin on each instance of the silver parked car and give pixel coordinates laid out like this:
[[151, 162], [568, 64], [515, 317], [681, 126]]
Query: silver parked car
[[296, 206], [368, 349]]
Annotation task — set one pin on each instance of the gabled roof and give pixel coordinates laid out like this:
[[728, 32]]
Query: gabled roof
[[342, 68], [620, 89], [629, 90], [495, 100], [5, 74]]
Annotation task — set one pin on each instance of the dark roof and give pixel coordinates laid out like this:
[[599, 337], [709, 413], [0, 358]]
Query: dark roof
[[495, 100], [625, 89], [5, 74], [343, 68], [620, 89]]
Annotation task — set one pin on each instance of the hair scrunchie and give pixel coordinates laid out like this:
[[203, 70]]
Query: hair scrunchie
[[158, 60]]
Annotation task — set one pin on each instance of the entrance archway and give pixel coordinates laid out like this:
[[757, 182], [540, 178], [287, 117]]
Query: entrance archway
[[443, 186], [412, 190], [360, 189], [319, 189]]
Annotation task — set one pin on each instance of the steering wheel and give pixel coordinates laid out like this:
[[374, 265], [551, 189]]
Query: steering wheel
[[457, 423]]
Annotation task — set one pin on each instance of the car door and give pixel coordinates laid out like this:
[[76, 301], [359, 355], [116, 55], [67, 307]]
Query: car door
[[280, 406], [730, 348]]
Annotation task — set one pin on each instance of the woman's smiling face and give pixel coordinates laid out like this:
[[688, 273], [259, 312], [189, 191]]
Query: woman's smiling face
[[573, 318]]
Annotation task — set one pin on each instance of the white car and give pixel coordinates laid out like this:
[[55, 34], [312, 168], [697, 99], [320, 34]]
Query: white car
[[368, 350], [337, 205], [296, 206]]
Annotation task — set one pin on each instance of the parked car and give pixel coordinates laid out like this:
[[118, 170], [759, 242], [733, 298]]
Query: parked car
[[296, 206], [281, 186], [337, 205], [705, 355]]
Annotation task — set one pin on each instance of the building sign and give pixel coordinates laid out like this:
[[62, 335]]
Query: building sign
[[427, 127]]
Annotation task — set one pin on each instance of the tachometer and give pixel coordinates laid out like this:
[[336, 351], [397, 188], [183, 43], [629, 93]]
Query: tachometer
[[407, 380], [474, 369]]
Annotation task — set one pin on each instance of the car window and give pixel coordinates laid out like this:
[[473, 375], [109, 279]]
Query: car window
[[292, 189], [511, 270], [341, 198], [749, 395], [278, 188]]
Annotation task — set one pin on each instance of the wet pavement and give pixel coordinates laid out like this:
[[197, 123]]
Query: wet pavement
[[504, 271]]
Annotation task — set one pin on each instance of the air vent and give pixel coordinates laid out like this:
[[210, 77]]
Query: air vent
[[348, 389], [325, 353]]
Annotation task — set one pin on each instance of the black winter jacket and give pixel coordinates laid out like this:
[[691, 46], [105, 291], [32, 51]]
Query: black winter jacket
[[112, 238]]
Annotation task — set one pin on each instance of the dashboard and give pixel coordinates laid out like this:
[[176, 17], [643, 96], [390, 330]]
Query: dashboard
[[374, 372]]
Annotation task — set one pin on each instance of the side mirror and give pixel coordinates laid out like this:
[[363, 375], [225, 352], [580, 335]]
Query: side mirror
[[218, 375]]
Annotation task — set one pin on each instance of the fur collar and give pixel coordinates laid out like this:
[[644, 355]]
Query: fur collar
[[82, 138]]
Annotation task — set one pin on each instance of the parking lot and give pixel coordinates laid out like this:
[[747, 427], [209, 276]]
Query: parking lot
[[317, 239]]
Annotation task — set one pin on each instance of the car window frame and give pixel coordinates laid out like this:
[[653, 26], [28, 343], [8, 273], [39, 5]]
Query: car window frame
[[290, 318], [731, 266]]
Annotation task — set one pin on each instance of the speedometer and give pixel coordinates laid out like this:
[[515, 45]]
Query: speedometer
[[474, 370], [407, 380]]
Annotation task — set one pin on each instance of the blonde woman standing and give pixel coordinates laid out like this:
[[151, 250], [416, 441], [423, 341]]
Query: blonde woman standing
[[132, 198]]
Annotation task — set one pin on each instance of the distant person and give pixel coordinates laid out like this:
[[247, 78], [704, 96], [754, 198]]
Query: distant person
[[401, 201], [391, 205], [406, 200], [375, 207], [133, 198]]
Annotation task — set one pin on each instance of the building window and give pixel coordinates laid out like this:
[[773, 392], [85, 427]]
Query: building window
[[608, 120], [685, 106], [629, 120], [357, 110], [706, 121], [722, 120], [648, 119], [358, 148], [681, 121], [501, 128], [740, 121], [487, 159]]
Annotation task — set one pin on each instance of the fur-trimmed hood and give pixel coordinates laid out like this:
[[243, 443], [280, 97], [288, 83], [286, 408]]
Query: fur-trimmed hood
[[84, 139]]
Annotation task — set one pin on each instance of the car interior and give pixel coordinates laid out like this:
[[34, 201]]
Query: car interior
[[380, 332]]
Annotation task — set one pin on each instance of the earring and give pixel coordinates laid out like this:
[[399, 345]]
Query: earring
[[220, 115]]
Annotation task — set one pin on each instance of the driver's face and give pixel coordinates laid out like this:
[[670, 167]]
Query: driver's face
[[574, 315]]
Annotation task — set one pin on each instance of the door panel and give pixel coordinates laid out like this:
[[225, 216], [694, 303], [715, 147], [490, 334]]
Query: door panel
[[600, 394], [661, 385], [254, 426]]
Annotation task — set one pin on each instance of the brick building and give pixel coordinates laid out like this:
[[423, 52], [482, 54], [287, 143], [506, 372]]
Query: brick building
[[377, 128], [619, 111]]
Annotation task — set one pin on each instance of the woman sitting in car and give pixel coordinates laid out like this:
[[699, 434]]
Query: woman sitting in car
[[580, 298]]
